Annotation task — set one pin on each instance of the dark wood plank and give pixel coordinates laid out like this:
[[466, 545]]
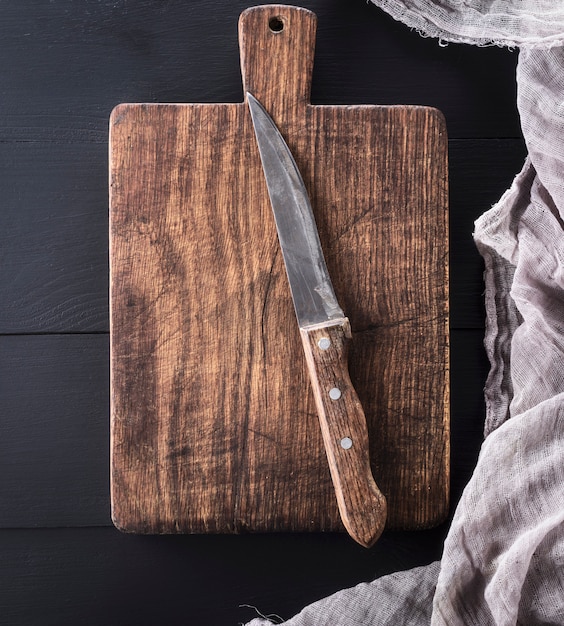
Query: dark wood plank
[[469, 369], [54, 453], [480, 171], [53, 237], [98, 576], [157, 53], [364, 56]]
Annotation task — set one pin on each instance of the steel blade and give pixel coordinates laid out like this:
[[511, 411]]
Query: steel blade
[[310, 284]]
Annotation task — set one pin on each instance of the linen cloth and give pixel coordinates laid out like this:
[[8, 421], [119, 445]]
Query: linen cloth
[[503, 558]]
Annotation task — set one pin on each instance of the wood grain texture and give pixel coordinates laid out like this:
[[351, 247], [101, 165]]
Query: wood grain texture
[[66, 64], [53, 233], [53, 238], [214, 428], [95, 576], [53, 165], [362, 505], [54, 454]]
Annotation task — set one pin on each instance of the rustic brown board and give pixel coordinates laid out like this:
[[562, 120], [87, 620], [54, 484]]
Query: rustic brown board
[[213, 423]]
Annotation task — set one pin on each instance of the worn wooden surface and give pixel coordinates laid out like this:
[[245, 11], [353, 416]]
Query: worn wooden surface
[[362, 505], [214, 426], [66, 64]]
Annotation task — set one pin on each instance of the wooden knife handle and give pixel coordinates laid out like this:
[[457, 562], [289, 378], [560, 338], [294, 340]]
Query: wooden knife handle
[[361, 504]]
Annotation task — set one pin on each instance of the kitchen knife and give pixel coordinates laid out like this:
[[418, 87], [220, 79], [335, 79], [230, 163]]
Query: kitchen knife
[[325, 332]]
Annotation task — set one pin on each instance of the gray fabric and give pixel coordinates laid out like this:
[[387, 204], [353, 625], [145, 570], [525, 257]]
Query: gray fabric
[[375, 603], [482, 22], [503, 559]]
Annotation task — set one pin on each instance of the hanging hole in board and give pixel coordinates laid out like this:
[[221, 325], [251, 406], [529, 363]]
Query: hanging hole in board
[[276, 24]]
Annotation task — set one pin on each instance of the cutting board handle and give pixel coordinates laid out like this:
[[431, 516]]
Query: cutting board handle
[[277, 44]]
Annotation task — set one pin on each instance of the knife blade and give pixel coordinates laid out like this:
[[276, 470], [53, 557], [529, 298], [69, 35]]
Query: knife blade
[[325, 332]]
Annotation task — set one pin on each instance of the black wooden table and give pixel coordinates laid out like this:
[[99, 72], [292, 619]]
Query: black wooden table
[[65, 65]]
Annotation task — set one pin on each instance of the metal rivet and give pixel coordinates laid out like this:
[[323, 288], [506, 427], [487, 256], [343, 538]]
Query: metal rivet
[[335, 393], [324, 343], [346, 443]]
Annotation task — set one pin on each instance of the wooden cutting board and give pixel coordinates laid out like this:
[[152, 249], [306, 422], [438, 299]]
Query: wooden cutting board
[[213, 423]]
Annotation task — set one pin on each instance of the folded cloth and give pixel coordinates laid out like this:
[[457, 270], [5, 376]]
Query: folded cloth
[[503, 558]]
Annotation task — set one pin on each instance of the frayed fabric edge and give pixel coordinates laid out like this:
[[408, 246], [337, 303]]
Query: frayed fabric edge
[[428, 29], [502, 315]]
